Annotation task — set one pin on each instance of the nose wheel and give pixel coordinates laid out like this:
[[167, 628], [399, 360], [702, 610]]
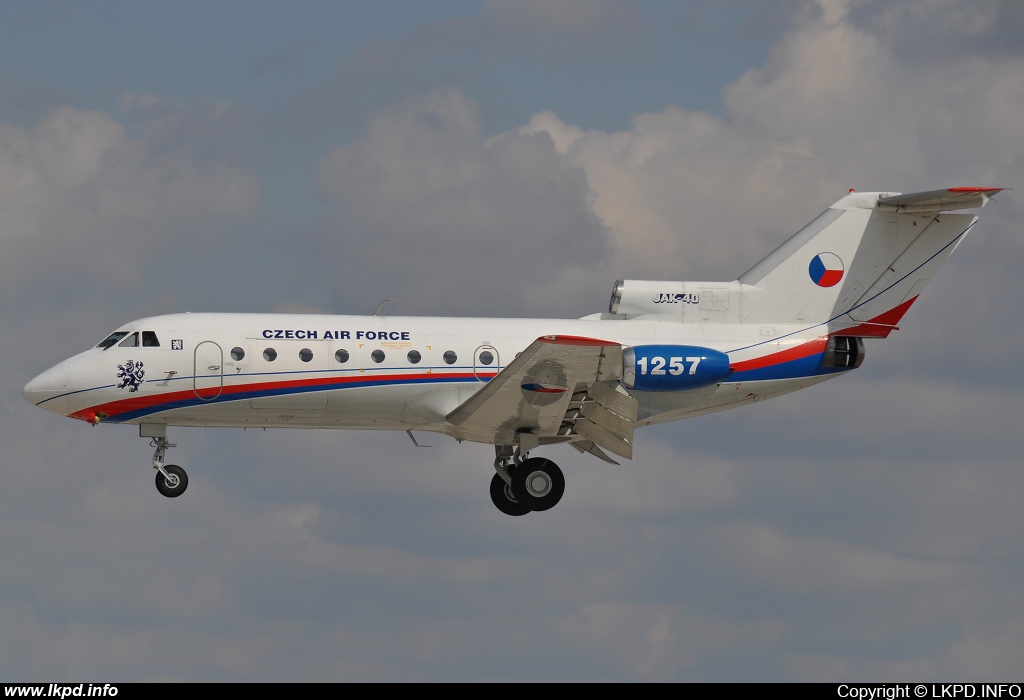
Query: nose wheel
[[171, 480]]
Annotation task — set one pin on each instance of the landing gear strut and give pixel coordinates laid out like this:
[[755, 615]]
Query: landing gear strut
[[171, 480], [505, 463], [521, 485]]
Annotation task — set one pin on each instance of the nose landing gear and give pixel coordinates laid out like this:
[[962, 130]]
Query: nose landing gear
[[171, 480]]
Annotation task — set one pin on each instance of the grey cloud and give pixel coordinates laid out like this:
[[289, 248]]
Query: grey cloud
[[90, 206], [384, 72], [22, 102], [221, 134], [812, 564], [923, 32], [430, 214]]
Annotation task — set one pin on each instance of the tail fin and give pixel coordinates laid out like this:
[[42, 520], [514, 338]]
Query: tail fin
[[862, 263]]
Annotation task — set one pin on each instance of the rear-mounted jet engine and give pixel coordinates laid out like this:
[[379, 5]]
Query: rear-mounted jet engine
[[672, 367]]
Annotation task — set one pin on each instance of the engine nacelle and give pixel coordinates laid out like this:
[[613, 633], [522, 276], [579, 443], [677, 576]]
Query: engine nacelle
[[649, 297], [843, 351], [686, 302], [672, 367]]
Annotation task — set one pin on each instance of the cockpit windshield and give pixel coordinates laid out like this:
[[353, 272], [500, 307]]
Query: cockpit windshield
[[128, 339], [112, 339]]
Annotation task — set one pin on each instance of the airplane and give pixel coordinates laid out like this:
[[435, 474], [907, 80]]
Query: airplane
[[664, 351]]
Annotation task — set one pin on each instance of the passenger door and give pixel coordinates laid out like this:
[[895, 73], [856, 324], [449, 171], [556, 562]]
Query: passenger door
[[208, 374]]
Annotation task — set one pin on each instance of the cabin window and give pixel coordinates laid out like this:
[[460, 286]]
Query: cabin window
[[305, 354], [341, 356], [270, 354], [377, 356], [149, 340], [414, 357], [131, 341], [486, 357], [450, 357], [237, 354], [112, 339]]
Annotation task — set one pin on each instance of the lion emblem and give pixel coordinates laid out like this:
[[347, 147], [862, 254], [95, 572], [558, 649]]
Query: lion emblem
[[130, 374]]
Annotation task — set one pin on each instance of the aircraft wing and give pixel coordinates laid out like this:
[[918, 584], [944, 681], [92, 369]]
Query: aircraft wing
[[560, 389], [940, 200]]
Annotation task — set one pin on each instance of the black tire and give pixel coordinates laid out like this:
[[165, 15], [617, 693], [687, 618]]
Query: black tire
[[168, 489], [501, 496], [538, 483]]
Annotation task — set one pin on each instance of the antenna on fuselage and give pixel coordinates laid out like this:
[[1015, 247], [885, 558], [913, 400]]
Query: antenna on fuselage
[[381, 306]]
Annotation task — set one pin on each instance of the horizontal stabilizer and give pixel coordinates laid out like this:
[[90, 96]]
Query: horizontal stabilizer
[[940, 200]]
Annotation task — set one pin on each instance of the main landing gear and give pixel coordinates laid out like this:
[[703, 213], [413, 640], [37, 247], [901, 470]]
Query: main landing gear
[[171, 480], [521, 485]]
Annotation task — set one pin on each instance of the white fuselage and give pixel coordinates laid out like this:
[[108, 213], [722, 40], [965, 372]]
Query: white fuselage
[[382, 372]]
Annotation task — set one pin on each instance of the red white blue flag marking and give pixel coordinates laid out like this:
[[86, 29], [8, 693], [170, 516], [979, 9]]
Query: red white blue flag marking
[[544, 388], [826, 269]]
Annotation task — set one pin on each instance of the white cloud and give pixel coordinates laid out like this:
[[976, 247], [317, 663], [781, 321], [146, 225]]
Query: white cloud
[[83, 202], [688, 194], [451, 222]]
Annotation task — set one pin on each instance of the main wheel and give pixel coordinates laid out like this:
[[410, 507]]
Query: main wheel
[[176, 485], [501, 495], [538, 483]]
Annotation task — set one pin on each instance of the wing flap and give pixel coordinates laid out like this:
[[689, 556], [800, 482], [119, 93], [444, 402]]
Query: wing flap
[[595, 413], [603, 437], [587, 447], [616, 402], [604, 418]]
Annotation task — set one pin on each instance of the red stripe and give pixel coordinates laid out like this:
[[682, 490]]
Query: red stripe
[[812, 347], [881, 325], [574, 340], [975, 189], [134, 403]]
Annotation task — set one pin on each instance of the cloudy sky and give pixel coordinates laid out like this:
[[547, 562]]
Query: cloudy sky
[[507, 158]]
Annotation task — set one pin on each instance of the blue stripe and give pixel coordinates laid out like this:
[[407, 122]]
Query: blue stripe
[[809, 366], [281, 391]]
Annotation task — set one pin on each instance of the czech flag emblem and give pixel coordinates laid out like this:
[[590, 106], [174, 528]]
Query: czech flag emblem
[[826, 269]]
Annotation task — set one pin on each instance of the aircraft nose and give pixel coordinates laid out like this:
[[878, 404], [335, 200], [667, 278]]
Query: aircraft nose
[[49, 389]]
